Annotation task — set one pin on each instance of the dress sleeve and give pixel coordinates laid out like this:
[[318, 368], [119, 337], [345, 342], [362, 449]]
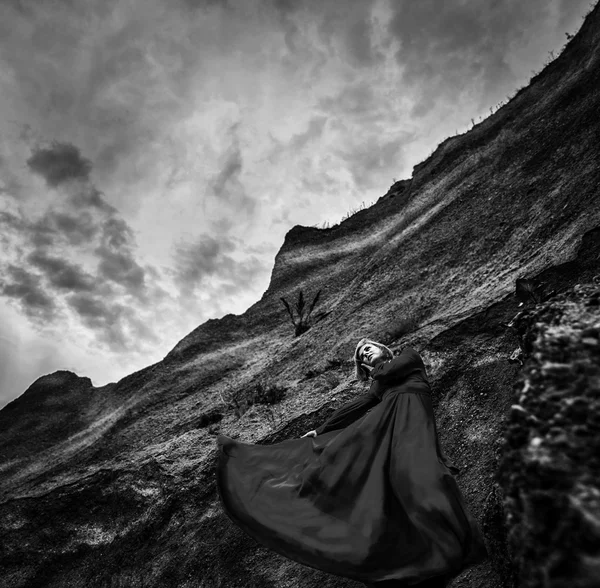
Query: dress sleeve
[[347, 414], [398, 368]]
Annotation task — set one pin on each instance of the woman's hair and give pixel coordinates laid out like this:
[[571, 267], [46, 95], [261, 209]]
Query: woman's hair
[[361, 373]]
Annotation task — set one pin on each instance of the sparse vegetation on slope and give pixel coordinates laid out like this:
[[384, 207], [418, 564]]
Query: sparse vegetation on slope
[[301, 318], [260, 393]]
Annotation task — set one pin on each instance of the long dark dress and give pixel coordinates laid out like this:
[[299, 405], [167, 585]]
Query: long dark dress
[[372, 497]]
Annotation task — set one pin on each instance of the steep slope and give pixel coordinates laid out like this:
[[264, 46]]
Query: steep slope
[[116, 485]]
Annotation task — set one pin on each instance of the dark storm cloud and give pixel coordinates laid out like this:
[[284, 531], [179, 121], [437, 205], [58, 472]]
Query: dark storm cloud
[[203, 4], [358, 42], [92, 308], [59, 163], [51, 228], [62, 274], [227, 186], [42, 234], [46, 280], [26, 287], [121, 267], [229, 173], [352, 23], [443, 45], [116, 257], [201, 259], [103, 317], [82, 225], [140, 330], [348, 24], [210, 257], [372, 157], [105, 87], [313, 132], [9, 184], [372, 152], [38, 234], [76, 229], [115, 324], [10, 221], [92, 198], [116, 233], [243, 275], [357, 100]]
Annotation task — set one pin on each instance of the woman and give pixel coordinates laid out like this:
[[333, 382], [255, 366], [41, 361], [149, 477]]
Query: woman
[[368, 495]]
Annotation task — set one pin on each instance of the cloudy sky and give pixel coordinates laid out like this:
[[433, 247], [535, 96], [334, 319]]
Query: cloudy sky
[[153, 153]]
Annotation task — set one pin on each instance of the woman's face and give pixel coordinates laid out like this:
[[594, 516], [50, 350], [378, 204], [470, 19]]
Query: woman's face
[[370, 354]]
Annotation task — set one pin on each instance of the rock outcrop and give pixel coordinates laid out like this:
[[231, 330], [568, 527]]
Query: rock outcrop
[[115, 486], [550, 471]]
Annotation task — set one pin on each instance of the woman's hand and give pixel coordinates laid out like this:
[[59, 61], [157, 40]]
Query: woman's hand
[[368, 367], [309, 434]]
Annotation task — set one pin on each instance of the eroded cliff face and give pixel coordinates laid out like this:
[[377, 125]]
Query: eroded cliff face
[[551, 465], [115, 485]]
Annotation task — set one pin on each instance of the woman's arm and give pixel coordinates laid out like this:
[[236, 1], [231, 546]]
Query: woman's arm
[[347, 414], [398, 368]]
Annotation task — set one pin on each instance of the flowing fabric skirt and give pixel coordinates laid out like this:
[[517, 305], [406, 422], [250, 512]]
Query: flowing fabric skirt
[[375, 501]]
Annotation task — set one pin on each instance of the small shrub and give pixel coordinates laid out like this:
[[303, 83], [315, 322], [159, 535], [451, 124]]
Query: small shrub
[[326, 365], [268, 394], [312, 373], [335, 363], [213, 429], [332, 380], [353, 211], [209, 418], [326, 382], [528, 290], [402, 326], [241, 400], [301, 320]]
